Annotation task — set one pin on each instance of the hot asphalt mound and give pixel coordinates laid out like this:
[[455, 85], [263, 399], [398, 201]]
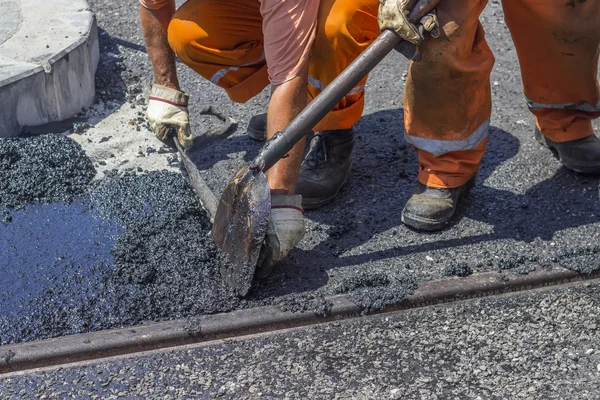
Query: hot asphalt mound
[[81, 256], [133, 249], [45, 168]]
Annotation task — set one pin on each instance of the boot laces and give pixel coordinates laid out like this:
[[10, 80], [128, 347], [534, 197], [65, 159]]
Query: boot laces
[[317, 151]]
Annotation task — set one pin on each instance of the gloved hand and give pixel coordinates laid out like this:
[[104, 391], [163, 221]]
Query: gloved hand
[[167, 109], [393, 14], [286, 225]]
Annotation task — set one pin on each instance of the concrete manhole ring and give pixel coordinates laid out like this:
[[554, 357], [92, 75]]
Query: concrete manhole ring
[[48, 57]]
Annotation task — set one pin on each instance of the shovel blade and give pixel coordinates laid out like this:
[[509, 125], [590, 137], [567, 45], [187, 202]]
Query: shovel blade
[[240, 226]]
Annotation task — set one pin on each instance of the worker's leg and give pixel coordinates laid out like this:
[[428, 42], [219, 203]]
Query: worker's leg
[[345, 28], [447, 100], [223, 42], [557, 43], [447, 106]]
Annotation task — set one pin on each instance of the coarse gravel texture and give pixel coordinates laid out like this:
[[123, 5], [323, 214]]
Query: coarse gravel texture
[[88, 266], [46, 168], [540, 345]]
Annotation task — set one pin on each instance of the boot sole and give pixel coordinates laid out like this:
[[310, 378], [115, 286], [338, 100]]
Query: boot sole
[[423, 224], [431, 225], [579, 168]]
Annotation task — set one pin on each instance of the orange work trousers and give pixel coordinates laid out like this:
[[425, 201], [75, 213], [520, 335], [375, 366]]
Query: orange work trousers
[[447, 99], [222, 40]]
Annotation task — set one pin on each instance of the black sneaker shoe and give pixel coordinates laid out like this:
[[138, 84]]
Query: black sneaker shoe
[[581, 155], [430, 209], [326, 167], [257, 127]]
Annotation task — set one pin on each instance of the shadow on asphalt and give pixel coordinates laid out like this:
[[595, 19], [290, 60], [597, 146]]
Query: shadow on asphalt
[[383, 175], [551, 206]]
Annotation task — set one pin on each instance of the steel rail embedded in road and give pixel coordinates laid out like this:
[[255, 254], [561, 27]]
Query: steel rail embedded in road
[[235, 324]]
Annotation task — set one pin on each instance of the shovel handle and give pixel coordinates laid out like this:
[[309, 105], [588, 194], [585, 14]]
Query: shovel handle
[[207, 198], [282, 142]]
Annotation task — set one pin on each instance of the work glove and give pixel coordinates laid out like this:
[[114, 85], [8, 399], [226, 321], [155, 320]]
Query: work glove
[[393, 15], [167, 109], [286, 225]]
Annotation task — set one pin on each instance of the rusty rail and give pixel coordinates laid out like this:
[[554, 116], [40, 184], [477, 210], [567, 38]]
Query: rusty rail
[[95, 345]]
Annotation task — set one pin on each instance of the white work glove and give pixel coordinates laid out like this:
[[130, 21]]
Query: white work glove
[[167, 109], [286, 226], [393, 15]]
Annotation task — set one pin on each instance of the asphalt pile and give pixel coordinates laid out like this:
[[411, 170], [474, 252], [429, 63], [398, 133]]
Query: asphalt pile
[[46, 168], [133, 249], [81, 255], [166, 250]]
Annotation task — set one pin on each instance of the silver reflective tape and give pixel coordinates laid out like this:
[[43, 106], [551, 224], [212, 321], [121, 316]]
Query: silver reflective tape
[[222, 72], [439, 147], [314, 82], [579, 106]]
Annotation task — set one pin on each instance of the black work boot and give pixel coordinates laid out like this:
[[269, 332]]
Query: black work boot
[[580, 155], [326, 167], [430, 209], [257, 127]]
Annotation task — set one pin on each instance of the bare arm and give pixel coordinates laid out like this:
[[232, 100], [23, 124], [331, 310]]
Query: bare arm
[[154, 27]]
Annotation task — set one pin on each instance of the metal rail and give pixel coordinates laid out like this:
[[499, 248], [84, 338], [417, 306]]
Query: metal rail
[[96, 345]]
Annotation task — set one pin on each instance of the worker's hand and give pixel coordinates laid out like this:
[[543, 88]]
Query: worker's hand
[[286, 225], [393, 14], [167, 109]]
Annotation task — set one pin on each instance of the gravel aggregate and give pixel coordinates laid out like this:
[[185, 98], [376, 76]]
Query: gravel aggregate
[[46, 168], [541, 345]]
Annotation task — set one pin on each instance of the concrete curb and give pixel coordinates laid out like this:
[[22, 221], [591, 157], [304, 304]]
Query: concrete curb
[[47, 62], [236, 324]]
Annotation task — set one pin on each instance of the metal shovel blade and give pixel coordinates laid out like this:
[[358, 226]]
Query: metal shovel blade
[[240, 226]]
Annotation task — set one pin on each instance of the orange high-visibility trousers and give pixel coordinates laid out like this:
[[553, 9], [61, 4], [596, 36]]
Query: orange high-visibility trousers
[[448, 97], [222, 40]]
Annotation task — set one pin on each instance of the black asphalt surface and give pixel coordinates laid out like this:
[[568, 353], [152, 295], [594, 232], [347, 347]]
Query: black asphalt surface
[[121, 264], [544, 345]]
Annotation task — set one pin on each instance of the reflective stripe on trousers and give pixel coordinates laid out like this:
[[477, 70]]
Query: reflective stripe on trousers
[[439, 147], [579, 106], [222, 72]]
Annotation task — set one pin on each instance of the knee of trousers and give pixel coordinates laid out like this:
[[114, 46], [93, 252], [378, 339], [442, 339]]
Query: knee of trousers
[[336, 28], [180, 38], [187, 34]]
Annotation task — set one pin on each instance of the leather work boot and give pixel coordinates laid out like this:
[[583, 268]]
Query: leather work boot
[[257, 127], [581, 155], [326, 167], [430, 209]]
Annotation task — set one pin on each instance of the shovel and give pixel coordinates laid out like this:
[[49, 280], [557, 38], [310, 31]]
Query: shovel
[[207, 198], [241, 219]]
